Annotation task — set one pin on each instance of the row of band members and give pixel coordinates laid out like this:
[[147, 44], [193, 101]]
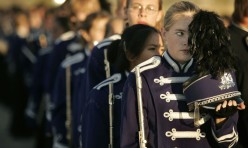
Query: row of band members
[[77, 91]]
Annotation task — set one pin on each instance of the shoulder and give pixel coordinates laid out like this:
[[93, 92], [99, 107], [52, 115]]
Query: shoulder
[[113, 79], [108, 41], [149, 64], [65, 37], [76, 58]]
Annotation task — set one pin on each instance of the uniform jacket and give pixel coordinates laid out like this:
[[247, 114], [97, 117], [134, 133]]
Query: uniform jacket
[[95, 123], [239, 40], [77, 67], [167, 121]]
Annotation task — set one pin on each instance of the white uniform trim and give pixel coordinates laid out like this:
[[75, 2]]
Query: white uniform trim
[[73, 47], [161, 80], [46, 50], [185, 115], [108, 41], [118, 96], [113, 79], [56, 141], [59, 145], [185, 134], [79, 71], [168, 97], [65, 37], [30, 56], [232, 137], [175, 66], [171, 62], [149, 64], [178, 115], [188, 65], [72, 60]]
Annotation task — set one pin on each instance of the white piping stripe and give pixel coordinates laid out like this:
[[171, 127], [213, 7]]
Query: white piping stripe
[[113, 79], [178, 115], [232, 137], [188, 65], [171, 62], [185, 134], [170, 80], [168, 97]]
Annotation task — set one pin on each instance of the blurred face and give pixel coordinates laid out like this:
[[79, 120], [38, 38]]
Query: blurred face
[[176, 38], [143, 12], [56, 31], [154, 46], [98, 29]]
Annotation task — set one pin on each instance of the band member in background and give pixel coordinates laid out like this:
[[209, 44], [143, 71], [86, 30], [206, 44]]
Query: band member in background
[[238, 30]]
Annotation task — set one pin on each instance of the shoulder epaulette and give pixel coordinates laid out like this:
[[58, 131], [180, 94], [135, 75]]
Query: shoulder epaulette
[[72, 60], [113, 79], [108, 41], [73, 47], [65, 37], [46, 50], [149, 64]]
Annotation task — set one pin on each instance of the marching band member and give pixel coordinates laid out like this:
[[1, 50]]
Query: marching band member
[[138, 43]]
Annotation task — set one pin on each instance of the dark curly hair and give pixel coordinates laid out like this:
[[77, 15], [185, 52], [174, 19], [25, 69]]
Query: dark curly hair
[[210, 44]]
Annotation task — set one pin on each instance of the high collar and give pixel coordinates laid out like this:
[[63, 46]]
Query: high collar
[[240, 27], [175, 65]]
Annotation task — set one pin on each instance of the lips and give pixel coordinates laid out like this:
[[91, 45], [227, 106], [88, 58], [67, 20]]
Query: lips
[[141, 22]]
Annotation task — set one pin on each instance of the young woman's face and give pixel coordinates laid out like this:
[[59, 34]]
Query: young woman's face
[[143, 12], [176, 38], [98, 29], [154, 46]]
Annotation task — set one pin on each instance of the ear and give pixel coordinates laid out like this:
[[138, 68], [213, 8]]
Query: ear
[[125, 16], [129, 57], [163, 32]]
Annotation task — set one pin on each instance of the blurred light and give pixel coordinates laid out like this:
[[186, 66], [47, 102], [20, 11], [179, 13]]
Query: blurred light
[[58, 2]]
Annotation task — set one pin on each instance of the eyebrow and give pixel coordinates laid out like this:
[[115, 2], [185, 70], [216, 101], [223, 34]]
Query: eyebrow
[[181, 30], [156, 45]]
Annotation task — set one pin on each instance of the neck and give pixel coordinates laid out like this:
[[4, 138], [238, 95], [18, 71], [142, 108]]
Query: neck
[[244, 23]]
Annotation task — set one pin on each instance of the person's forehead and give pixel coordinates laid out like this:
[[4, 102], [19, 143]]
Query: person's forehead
[[145, 2], [154, 38], [181, 23]]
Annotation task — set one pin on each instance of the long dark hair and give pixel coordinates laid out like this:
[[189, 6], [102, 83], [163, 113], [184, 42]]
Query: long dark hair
[[132, 41], [240, 10], [210, 44]]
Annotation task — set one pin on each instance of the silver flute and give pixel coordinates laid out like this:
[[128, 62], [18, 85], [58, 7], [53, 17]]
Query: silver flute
[[142, 140], [110, 101]]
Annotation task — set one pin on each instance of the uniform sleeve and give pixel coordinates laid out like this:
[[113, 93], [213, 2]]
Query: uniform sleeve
[[129, 116], [95, 68], [227, 134], [35, 97], [95, 122], [58, 101]]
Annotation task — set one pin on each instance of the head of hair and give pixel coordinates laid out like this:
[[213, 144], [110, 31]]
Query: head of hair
[[240, 10], [88, 22], [132, 42], [160, 4], [210, 44], [63, 22], [177, 9]]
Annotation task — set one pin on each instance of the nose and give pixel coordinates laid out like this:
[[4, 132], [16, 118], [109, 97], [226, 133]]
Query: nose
[[142, 12]]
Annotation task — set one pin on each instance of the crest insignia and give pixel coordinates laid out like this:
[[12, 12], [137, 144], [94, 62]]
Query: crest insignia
[[226, 81]]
